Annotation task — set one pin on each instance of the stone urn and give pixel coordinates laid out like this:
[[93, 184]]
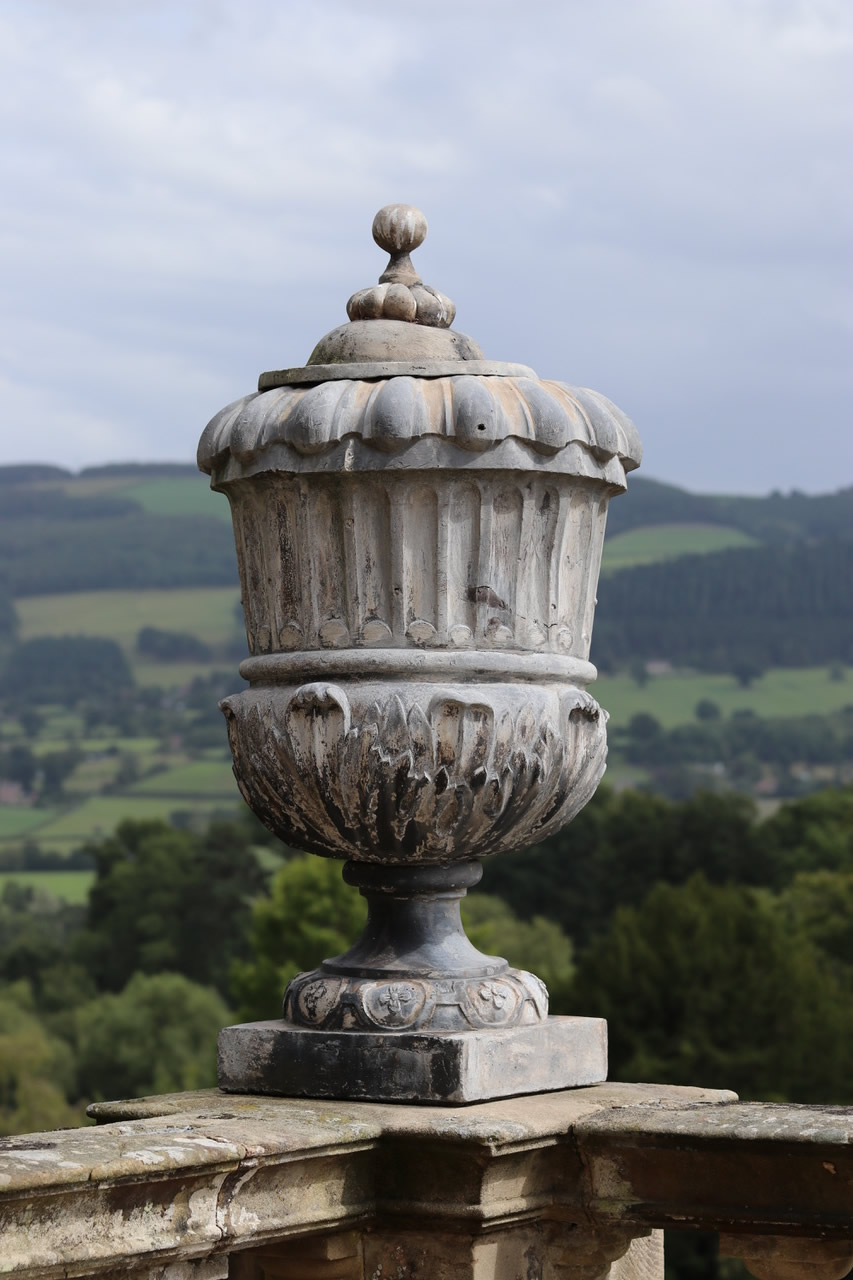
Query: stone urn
[[419, 534]]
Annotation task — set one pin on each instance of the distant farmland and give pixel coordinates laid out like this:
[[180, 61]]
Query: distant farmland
[[176, 496], [654, 543], [206, 612]]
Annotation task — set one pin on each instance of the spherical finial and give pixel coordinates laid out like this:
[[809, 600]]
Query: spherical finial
[[399, 228], [401, 294]]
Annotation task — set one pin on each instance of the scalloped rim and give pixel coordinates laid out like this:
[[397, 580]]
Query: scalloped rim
[[474, 412]]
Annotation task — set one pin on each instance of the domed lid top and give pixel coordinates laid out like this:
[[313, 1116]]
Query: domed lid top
[[398, 380], [398, 327]]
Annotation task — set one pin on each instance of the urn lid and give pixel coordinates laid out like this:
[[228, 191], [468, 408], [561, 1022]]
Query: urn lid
[[397, 376], [399, 327]]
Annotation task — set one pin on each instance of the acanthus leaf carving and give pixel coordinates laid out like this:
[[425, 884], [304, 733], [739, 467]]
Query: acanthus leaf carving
[[415, 773]]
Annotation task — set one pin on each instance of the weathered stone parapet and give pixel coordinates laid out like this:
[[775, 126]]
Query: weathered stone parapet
[[755, 1167], [201, 1186]]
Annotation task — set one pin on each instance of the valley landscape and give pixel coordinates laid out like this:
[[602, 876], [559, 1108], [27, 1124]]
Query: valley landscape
[[710, 680]]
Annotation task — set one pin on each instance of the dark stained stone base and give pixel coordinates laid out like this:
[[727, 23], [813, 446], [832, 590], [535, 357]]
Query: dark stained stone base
[[453, 1067]]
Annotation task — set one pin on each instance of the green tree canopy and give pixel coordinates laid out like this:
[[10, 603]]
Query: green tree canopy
[[814, 834], [309, 916], [620, 845], [36, 1068], [98, 553], [706, 984], [171, 646], [168, 900], [158, 1035], [65, 669], [820, 903], [36, 929], [8, 615], [741, 610]]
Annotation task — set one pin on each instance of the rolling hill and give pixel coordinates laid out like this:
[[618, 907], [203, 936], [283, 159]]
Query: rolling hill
[[694, 579], [702, 583]]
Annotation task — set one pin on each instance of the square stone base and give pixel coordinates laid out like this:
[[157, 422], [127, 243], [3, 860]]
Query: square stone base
[[465, 1066]]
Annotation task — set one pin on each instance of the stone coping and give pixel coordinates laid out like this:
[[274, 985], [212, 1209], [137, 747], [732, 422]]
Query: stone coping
[[203, 1175], [153, 1136]]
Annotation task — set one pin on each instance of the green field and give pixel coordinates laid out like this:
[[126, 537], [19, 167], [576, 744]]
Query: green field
[[19, 820], [51, 741], [72, 886], [91, 776], [60, 724], [166, 495], [672, 698], [99, 815], [176, 496], [198, 787], [203, 778], [177, 675], [658, 542], [206, 612]]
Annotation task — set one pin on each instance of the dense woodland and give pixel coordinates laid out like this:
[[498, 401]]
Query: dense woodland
[[720, 947], [788, 605], [39, 555]]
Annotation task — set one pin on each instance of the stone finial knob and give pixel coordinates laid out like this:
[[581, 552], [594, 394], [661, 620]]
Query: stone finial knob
[[400, 293], [399, 228]]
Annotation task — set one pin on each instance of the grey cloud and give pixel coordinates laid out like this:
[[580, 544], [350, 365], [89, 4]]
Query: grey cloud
[[639, 195]]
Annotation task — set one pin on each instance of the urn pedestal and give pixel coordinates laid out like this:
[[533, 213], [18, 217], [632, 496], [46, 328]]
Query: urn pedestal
[[419, 535]]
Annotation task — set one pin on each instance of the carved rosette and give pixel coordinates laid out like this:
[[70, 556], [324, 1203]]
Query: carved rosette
[[511, 998], [408, 771]]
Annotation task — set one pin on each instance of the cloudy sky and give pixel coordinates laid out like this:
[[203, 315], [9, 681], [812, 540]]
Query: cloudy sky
[[648, 197]]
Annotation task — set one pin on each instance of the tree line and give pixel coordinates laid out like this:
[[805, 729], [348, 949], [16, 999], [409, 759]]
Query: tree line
[[738, 746], [767, 605], [92, 674], [775, 517], [8, 616], [136, 550], [41, 473]]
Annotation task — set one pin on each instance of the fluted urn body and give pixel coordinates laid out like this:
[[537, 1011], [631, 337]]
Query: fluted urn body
[[419, 534]]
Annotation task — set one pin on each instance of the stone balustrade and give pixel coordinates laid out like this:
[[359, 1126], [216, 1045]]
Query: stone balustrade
[[575, 1185]]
